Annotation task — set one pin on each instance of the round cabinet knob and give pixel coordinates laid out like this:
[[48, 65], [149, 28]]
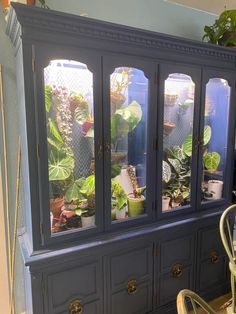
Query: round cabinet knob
[[177, 270], [214, 257], [76, 307], [132, 286]]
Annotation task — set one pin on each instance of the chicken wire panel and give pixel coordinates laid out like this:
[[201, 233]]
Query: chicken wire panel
[[73, 78]]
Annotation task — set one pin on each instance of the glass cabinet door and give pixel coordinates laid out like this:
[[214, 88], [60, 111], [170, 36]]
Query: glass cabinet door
[[214, 142], [178, 121], [129, 93], [69, 106]]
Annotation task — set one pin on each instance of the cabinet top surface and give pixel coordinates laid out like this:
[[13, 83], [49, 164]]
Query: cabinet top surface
[[28, 22]]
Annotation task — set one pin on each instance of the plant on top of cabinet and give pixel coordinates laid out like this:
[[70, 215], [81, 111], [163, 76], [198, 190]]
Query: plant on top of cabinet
[[136, 201], [223, 31]]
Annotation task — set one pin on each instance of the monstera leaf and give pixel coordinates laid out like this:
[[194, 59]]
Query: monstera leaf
[[187, 144], [60, 165], [211, 161], [73, 192], [166, 171]]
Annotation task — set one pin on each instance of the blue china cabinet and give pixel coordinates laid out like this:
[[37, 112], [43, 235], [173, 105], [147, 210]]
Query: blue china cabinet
[[127, 151]]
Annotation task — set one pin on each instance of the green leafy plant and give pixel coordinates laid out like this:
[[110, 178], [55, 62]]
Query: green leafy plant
[[120, 197], [123, 121], [222, 31]]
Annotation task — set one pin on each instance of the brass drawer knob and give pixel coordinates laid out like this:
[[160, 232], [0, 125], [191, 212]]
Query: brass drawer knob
[[132, 286], [177, 270], [76, 307], [214, 257]]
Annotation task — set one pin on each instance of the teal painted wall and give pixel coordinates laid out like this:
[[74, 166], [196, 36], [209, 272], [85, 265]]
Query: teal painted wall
[[155, 15]]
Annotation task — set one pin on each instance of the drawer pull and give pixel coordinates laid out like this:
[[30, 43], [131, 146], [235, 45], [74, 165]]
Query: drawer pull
[[132, 286], [177, 270], [214, 257], [76, 307]]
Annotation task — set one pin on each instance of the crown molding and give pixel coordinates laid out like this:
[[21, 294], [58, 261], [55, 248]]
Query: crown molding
[[23, 17]]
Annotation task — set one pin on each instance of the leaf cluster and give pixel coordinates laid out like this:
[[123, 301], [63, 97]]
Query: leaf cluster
[[225, 23]]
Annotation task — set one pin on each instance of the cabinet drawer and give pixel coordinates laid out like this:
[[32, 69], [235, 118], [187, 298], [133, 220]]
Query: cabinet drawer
[[80, 282], [139, 302], [134, 264], [171, 283], [177, 251]]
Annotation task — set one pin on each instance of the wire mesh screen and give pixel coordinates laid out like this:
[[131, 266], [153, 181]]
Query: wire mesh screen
[[73, 79]]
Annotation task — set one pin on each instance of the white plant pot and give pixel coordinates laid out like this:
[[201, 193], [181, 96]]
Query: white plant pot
[[51, 220], [88, 221], [165, 203], [121, 213], [215, 187]]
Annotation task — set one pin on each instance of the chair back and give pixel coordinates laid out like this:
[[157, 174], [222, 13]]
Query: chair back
[[226, 232], [196, 301]]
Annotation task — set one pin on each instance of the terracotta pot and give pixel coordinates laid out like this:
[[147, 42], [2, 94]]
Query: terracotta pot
[[168, 127], [31, 2], [117, 99], [118, 157], [5, 3], [56, 204]]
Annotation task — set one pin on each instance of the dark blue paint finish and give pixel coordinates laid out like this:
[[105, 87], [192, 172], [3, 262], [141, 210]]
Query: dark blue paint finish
[[96, 265]]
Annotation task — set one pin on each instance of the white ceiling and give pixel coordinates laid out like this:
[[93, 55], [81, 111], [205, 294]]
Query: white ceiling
[[211, 6]]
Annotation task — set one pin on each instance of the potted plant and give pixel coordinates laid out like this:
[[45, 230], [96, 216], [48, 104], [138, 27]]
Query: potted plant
[[119, 84], [88, 190], [119, 201], [223, 31], [136, 201]]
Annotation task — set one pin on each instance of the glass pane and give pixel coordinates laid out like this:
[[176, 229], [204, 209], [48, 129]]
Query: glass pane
[[129, 103], [214, 144], [70, 117], [177, 141]]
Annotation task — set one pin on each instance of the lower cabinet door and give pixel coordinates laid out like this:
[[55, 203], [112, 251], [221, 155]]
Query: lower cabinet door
[[132, 302], [130, 279], [79, 308], [78, 288], [171, 283], [212, 261]]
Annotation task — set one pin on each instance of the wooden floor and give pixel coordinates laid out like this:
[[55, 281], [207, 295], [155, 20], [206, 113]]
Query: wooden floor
[[217, 303]]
